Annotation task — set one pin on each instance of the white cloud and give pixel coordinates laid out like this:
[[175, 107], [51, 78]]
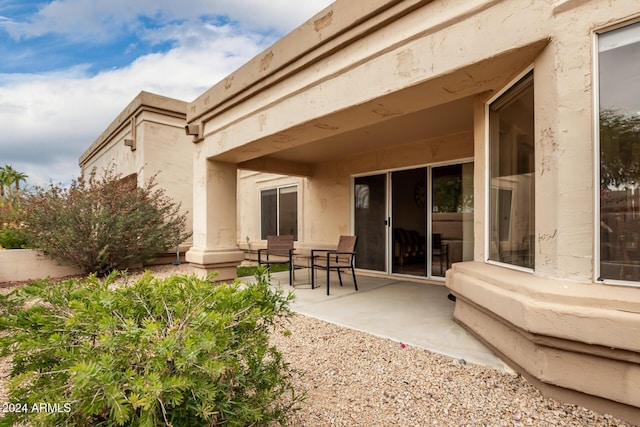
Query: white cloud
[[105, 18], [47, 121]]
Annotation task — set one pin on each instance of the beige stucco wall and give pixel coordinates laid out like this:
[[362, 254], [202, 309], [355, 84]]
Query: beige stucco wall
[[162, 149]]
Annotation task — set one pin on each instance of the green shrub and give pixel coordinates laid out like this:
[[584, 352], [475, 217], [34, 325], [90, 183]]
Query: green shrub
[[13, 238], [180, 351], [252, 270], [103, 224]]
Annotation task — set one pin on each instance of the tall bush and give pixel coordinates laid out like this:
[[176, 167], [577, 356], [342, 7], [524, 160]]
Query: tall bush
[[103, 223], [174, 352]]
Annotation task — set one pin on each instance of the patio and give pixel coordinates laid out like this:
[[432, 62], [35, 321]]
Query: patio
[[413, 313]]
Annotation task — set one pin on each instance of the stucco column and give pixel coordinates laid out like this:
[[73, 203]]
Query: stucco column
[[214, 219]]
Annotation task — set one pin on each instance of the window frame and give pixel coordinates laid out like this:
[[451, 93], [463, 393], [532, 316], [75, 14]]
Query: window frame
[[597, 206], [278, 189], [487, 172]]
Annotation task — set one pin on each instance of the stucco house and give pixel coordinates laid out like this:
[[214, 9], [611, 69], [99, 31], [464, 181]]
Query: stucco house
[[487, 145], [487, 126], [147, 139]]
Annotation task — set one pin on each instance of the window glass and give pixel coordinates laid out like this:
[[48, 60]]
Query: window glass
[[619, 86], [288, 215], [279, 212], [269, 213], [512, 178]]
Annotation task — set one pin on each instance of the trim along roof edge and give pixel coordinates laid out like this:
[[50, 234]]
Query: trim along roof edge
[[143, 101]]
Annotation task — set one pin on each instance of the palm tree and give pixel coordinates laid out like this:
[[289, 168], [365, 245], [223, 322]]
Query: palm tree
[[9, 176], [17, 177], [4, 181]]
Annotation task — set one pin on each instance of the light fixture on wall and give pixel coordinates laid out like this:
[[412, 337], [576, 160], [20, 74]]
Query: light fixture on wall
[[130, 143], [194, 130]]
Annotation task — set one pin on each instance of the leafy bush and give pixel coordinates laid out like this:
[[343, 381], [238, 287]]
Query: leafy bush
[[179, 351], [252, 270], [13, 238], [103, 224]]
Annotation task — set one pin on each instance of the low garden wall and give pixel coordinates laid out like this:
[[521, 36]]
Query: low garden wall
[[24, 264]]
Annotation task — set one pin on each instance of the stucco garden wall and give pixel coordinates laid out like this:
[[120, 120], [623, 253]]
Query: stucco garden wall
[[28, 264]]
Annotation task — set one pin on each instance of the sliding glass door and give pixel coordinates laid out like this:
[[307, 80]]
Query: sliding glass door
[[415, 222]]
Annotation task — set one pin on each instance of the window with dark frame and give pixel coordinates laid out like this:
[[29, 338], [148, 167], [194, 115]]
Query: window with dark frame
[[279, 212]]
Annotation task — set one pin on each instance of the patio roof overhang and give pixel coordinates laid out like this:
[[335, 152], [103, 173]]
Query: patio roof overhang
[[356, 77], [437, 107]]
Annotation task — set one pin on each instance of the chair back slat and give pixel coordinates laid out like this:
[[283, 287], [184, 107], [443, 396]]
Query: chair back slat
[[347, 243], [279, 245]]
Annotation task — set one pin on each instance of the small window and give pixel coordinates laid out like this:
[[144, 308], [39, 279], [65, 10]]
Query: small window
[[619, 129], [279, 212], [512, 178]]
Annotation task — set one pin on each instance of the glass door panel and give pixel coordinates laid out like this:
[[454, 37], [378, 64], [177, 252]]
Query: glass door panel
[[451, 216], [370, 218], [428, 216], [409, 219]]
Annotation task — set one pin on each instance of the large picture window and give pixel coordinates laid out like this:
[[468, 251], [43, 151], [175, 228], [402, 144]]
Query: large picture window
[[279, 212], [619, 86], [512, 178]]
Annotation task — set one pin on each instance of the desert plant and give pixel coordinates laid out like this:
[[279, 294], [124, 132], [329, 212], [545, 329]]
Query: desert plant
[[179, 351], [13, 238], [103, 223]]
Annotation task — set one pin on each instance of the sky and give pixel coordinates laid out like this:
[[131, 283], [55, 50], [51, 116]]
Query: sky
[[69, 67]]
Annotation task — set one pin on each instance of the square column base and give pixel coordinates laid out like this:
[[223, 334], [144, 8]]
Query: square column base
[[223, 261]]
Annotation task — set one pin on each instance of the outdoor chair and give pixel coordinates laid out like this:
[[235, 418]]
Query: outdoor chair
[[279, 250], [342, 258]]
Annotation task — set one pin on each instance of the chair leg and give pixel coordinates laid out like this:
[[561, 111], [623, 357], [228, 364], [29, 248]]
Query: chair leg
[[353, 271], [290, 274], [290, 270], [339, 276], [313, 275], [328, 278]]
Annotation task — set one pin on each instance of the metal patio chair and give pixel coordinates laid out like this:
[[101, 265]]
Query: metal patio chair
[[279, 250], [342, 258]]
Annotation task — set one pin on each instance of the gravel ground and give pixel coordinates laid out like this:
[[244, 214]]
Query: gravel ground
[[354, 379]]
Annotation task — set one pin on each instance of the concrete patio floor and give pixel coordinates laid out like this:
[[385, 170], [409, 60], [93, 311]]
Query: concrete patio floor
[[413, 313]]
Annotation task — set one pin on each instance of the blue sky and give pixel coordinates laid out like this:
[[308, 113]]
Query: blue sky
[[69, 67]]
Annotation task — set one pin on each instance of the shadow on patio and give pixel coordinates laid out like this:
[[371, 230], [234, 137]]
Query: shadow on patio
[[416, 314]]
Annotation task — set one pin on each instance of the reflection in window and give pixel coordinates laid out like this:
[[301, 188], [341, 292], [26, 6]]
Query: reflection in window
[[451, 215], [279, 212], [619, 84], [511, 167], [362, 196]]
